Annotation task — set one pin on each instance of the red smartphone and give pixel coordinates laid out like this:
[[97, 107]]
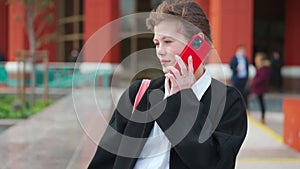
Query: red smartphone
[[198, 48]]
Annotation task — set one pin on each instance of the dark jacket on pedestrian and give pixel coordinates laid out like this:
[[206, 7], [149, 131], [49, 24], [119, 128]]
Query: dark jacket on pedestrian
[[233, 66]]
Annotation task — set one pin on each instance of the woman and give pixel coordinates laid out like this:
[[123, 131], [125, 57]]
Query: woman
[[185, 119], [260, 82]]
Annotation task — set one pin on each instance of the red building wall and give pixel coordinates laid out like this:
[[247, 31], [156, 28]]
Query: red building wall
[[231, 21], [232, 24], [204, 5], [292, 33], [96, 15], [17, 37], [49, 29], [16, 33], [3, 28]]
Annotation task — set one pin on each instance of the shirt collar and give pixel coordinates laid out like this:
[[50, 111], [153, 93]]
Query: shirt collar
[[202, 84]]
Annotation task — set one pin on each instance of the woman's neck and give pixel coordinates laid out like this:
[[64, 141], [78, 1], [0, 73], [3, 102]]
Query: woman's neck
[[199, 72]]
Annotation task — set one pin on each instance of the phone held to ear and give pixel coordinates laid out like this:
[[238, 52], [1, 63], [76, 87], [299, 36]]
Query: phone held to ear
[[198, 48]]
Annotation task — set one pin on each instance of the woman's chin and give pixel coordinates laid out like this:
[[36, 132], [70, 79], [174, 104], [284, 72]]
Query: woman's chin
[[164, 69]]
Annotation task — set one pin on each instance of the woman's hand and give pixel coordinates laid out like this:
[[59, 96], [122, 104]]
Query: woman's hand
[[183, 78]]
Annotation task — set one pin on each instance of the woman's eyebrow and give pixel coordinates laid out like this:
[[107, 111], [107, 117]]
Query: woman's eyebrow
[[163, 38]]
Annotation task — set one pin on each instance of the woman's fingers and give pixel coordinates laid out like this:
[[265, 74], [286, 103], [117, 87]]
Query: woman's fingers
[[170, 76], [181, 64], [174, 71], [174, 87], [190, 65], [183, 78], [185, 69]]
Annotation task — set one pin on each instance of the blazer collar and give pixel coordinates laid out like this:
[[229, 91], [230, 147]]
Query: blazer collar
[[140, 124]]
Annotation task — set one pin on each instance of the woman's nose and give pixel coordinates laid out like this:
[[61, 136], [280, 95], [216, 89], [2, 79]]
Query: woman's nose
[[161, 51]]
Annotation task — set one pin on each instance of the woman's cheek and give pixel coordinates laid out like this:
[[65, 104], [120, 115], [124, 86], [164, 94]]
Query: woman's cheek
[[175, 49], [174, 52]]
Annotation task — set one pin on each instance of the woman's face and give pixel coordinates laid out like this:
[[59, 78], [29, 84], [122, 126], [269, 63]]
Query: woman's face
[[168, 41], [258, 60]]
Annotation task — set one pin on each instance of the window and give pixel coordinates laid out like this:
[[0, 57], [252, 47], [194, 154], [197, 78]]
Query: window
[[135, 43], [70, 29]]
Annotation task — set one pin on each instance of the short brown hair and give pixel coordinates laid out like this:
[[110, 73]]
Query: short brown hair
[[262, 55], [189, 11]]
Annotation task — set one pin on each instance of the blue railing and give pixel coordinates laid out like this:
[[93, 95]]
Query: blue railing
[[64, 75], [3, 73]]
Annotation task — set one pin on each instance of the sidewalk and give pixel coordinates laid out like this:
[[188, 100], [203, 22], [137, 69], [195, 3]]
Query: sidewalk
[[63, 136], [264, 148]]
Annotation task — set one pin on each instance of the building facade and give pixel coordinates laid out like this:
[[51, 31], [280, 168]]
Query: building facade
[[259, 25]]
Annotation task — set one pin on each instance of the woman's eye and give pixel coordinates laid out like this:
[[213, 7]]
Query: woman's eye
[[168, 41]]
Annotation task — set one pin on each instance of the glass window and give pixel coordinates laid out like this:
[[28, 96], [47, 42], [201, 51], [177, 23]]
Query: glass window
[[127, 7], [69, 10], [130, 25], [70, 28]]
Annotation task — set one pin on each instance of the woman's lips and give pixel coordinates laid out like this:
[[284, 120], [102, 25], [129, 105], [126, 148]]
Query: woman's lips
[[163, 62]]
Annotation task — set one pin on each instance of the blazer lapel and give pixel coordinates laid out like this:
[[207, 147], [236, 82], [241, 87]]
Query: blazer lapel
[[138, 129]]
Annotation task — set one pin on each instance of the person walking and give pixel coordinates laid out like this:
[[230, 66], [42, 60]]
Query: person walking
[[240, 71], [260, 82], [276, 77]]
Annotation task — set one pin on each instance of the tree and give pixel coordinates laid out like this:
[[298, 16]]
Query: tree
[[33, 10]]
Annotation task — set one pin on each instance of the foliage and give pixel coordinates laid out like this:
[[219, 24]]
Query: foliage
[[36, 10], [12, 107], [38, 15]]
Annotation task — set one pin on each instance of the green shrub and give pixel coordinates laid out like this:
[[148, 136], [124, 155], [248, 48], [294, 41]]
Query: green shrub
[[12, 107]]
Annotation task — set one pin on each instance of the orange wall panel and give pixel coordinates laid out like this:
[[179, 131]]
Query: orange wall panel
[[291, 127], [215, 21], [204, 5], [97, 15], [292, 33], [17, 37], [16, 33], [232, 24]]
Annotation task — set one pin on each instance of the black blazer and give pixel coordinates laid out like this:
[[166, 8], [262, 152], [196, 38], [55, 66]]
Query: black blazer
[[205, 134]]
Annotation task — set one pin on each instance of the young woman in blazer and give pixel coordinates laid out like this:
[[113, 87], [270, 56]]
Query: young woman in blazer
[[185, 119]]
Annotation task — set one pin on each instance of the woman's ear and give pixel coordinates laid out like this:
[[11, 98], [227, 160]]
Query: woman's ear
[[201, 34]]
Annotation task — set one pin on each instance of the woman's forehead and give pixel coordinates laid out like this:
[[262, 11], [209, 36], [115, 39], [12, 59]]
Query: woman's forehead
[[167, 28]]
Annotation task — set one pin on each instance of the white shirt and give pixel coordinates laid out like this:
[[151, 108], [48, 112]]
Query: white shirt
[[242, 64], [156, 151]]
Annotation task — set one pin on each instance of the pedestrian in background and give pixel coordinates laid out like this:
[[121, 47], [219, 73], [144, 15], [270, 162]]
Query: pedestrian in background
[[240, 71], [276, 77], [260, 82]]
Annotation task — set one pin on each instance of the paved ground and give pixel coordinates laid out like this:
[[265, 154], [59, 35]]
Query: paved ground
[[63, 136]]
